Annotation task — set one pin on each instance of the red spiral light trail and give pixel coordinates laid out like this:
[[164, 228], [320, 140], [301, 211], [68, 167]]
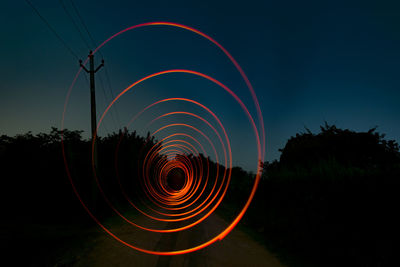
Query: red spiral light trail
[[183, 203]]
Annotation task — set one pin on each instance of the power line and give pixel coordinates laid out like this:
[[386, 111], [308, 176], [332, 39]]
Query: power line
[[112, 93], [75, 25], [52, 29], [88, 46], [115, 110], [105, 100], [83, 23], [84, 26], [97, 116]]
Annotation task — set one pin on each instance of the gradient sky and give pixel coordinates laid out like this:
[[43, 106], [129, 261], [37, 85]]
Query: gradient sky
[[308, 62]]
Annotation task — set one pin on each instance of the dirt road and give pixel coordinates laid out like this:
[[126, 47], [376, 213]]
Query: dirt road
[[237, 249]]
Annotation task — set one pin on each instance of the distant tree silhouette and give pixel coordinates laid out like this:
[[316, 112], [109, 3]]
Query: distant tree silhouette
[[331, 199], [35, 185], [364, 150]]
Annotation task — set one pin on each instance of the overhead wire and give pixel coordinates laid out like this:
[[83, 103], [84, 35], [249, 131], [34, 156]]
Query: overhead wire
[[97, 117], [52, 29], [72, 52], [74, 23], [102, 86], [111, 91], [105, 99], [115, 110], [83, 22]]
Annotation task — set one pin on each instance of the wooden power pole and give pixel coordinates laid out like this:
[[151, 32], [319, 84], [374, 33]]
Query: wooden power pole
[[92, 71]]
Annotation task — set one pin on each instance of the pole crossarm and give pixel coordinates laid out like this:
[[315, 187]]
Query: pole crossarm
[[89, 71], [83, 67], [99, 67]]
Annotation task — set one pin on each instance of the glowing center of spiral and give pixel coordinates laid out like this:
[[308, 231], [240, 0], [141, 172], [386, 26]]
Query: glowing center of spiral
[[176, 179]]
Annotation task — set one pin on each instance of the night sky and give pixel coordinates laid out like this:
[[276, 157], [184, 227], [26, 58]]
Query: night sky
[[308, 62]]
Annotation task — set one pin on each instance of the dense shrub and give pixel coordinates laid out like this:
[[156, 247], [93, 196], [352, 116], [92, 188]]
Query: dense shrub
[[331, 199]]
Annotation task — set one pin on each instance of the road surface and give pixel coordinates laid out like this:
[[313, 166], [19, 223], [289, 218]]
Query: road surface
[[237, 249]]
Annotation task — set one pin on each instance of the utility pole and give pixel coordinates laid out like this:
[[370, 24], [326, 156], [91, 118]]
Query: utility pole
[[92, 71]]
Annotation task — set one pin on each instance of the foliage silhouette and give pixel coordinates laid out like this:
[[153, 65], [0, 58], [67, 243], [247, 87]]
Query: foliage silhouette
[[331, 199], [36, 187]]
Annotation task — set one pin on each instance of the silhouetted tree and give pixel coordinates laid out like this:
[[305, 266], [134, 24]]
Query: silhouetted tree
[[331, 199], [35, 184]]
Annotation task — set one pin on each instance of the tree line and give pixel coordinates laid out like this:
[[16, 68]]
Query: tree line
[[330, 200]]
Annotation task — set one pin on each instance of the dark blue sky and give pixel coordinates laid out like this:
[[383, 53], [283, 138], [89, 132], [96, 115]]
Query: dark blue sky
[[308, 62]]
